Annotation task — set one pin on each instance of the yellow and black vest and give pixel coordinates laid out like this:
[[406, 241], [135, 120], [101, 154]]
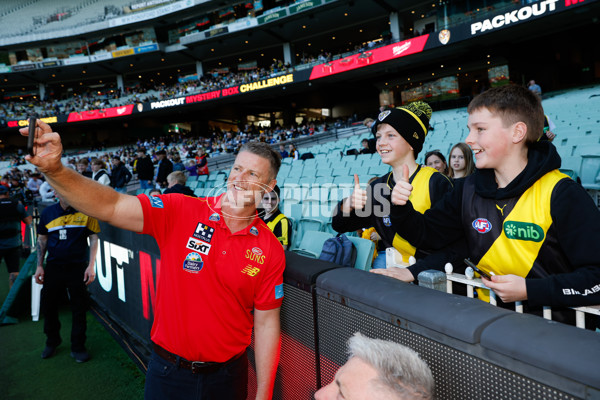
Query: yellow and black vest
[[421, 201], [515, 235], [281, 231]]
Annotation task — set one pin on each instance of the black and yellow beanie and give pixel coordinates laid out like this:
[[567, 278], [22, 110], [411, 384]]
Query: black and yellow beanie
[[410, 121]]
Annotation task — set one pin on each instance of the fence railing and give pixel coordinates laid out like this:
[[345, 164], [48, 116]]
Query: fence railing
[[435, 280]]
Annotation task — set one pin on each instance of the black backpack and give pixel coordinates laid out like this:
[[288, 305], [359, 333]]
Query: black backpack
[[339, 250]]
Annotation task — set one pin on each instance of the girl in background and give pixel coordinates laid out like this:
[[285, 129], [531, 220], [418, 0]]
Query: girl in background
[[461, 161]]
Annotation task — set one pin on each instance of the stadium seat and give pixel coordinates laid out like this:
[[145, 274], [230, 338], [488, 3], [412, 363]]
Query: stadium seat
[[312, 244], [364, 255], [590, 167]]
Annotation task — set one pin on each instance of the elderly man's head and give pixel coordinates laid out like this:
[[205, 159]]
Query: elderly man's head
[[380, 370]]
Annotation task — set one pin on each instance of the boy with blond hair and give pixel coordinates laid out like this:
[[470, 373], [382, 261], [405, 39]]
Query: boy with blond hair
[[524, 222]]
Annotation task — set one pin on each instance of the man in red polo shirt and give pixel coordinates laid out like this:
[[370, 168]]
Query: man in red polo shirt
[[221, 274]]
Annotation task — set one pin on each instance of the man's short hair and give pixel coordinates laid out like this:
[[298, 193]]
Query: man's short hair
[[399, 368], [264, 150], [177, 177], [83, 161], [513, 103]]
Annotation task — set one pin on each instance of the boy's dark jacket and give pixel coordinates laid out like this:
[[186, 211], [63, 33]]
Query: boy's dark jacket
[[575, 221]]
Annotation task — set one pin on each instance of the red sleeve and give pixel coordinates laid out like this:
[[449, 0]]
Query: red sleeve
[[156, 214], [269, 294]]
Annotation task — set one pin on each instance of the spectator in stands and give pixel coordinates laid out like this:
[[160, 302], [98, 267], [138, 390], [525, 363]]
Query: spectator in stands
[[177, 164], [435, 159], [46, 192], [202, 162], [283, 152], [176, 184], [294, 154], [364, 149], [12, 213], [192, 168], [549, 128], [154, 192], [82, 167], [461, 161], [165, 167], [277, 222], [63, 233], [535, 88], [99, 173], [380, 370], [518, 206], [400, 136], [34, 183], [144, 168], [120, 175]]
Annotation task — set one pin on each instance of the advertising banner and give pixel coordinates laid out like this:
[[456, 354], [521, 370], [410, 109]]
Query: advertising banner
[[145, 48], [101, 56], [102, 113], [386, 53], [296, 8], [263, 19], [216, 32], [23, 67], [127, 265], [76, 60], [122, 53]]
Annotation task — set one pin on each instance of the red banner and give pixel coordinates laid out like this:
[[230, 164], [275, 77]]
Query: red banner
[[102, 113], [386, 53]]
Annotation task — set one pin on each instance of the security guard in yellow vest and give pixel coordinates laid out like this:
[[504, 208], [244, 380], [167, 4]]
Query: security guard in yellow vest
[[400, 133], [277, 222]]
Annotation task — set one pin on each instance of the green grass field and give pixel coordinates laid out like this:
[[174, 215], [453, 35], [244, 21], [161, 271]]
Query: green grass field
[[109, 374]]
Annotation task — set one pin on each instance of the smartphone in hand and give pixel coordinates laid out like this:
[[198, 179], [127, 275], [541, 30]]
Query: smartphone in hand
[[480, 272], [31, 136]]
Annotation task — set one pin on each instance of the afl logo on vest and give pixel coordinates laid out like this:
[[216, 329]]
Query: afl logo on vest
[[482, 225]]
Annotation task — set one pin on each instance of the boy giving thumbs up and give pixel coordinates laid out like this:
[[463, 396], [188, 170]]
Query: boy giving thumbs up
[[400, 133]]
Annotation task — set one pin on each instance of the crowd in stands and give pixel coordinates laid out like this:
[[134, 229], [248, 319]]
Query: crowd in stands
[[147, 91]]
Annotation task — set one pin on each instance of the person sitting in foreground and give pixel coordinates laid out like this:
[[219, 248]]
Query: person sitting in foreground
[[380, 370]]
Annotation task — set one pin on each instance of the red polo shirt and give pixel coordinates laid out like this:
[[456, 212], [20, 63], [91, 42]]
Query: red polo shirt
[[210, 279]]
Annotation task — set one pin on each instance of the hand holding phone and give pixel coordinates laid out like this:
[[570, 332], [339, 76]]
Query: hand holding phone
[[31, 136], [480, 272]]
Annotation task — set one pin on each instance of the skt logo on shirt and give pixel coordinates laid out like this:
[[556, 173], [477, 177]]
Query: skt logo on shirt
[[523, 231], [250, 270], [193, 263], [256, 254], [204, 232], [197, 245]]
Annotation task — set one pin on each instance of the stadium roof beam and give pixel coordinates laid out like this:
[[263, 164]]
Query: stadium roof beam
[[383, 4]]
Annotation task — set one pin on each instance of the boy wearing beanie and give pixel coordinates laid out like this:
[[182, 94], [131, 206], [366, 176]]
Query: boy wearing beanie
[[400, 133], [531, 227]]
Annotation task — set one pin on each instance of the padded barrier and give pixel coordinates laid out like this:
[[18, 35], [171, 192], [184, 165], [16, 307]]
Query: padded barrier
[[297, 374], [475, 351]]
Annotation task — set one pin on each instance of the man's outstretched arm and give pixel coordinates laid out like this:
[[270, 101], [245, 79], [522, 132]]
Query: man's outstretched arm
[[83, 194]]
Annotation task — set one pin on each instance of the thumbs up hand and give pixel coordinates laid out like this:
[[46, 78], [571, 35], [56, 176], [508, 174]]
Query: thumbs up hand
[[357, 199], [403, 189]]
